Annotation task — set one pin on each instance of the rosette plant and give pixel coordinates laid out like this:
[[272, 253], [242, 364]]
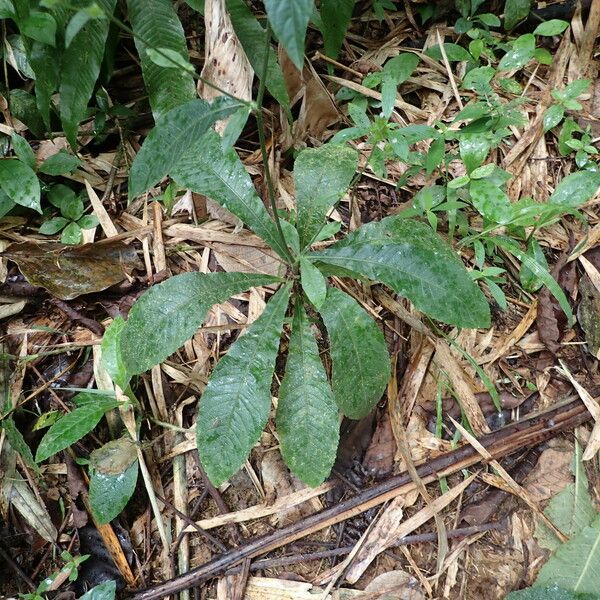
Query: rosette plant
[[404, 254]]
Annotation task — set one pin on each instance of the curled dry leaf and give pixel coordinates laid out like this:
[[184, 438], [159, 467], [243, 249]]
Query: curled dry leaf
[[226, 64], [70, 271]]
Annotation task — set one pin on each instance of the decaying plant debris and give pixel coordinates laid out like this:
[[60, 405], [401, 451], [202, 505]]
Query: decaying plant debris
[[477, 469]]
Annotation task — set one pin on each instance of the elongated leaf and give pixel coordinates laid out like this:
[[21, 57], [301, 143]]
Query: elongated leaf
[[171, 138], [410, 258], [335, 16], [576, 188], [169, 313], [545, 593], [575, 565], [234, 407], [361, 363], [74, 425], [307, 416], [515, 11], [20, 183], [289, 20], [112, 358], [219, 174], [322, 175], [18, 443], [540, 272], [253, 38], [313, 283], [80, 68], [156, 25], [109, 494], [45, 62]]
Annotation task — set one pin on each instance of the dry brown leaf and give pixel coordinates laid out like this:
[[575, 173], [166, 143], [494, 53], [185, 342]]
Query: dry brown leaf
[[247, 259]]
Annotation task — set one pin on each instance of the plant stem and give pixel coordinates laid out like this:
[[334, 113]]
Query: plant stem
[[263, 145]]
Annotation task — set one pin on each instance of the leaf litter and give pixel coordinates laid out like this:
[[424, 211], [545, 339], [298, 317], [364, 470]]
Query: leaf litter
[[519, 353]]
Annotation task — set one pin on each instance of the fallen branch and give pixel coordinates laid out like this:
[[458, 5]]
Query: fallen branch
[[531, 431]]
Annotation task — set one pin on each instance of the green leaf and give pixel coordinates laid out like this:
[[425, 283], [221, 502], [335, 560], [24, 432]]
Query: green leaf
[[520, 54], [23, 106], [571, 511], [576, 88], [551, 27], [401, 67], [539, 271], [454, 52], [547, 593], [74, 425], [575, 565], [235, 405], [169, 313], [80, 68], [322, 176], [576, 189], [88, 222], [489, 19], [7, 10], [474, 148], [410, 258], [59, 164], [253, 38], [514, 12], [156, 25], [361, 363], [20, 183], [53, 226], [219, 174], [289, 20], [40, 26], [169, 59], [72, 207], [109, 494], [529, 281], [77, 22], [553, 116], [490, 201], [313, 283], [335, 17], [23, 150], [112, 358], [18, 443], [307, 417], [45, 62], [170, 139], [104, 591], [478, 77]]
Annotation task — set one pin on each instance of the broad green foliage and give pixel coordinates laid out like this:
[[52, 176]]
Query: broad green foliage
[[109, 493], [76, 424], [335, 18], [218, 173], [171, 138], [20, 183], [411, 259], [289, 19], [575, 565], [515, 11], [576, 188], [155, 22], [103, 591], [253, 38], [361, 364], [169, 313], [307, 416], [80, 68], [548, 593], [571, 511], [313, 283], [111, 353], [322, 175], [234, 407]]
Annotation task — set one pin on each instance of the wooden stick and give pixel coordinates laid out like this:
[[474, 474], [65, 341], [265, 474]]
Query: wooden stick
[[531, 431]]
